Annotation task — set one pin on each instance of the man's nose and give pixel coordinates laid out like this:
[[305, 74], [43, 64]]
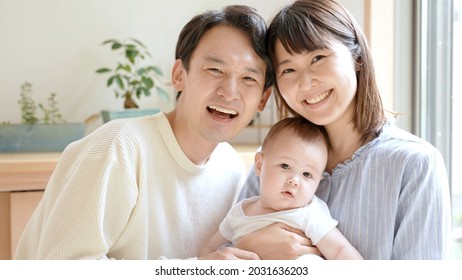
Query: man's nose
[[229, 89]]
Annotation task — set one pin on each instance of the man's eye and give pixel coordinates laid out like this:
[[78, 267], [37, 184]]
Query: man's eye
[[307, 174], [214, 70], [284, 166], [250, 79]]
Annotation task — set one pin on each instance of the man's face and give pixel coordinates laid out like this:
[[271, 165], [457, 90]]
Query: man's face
[[223, 87]]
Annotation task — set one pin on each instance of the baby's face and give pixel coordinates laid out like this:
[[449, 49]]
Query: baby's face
[[290, 172]]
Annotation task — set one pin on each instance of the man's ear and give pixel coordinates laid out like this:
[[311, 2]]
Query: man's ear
[[264, 99], [178, 73], [258, 163]]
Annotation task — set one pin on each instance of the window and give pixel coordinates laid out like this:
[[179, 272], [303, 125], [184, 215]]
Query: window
[[456, 162], [437, 91]]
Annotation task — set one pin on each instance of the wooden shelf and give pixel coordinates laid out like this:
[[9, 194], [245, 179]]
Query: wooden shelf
[[26, 171], [23, 177]]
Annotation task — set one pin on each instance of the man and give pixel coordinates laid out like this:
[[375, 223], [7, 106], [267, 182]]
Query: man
[[158, 186]]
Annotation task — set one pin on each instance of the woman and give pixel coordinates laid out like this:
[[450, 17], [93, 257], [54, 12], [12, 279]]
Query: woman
[[387, 188]]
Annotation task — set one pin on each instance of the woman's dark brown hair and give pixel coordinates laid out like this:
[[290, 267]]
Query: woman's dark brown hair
[[308, 25]]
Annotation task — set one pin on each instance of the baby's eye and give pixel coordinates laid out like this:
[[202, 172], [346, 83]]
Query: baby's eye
[[285, 166], [307, 175]]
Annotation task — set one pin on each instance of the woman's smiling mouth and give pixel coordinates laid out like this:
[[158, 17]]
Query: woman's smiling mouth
[[319, 98]]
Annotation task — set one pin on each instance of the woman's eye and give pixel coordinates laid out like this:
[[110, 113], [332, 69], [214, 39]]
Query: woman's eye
[[287, 71], [307, 174], [317, 58], [284, 166]]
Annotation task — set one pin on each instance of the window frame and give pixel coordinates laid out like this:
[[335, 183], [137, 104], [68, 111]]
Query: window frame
[[433, 81]]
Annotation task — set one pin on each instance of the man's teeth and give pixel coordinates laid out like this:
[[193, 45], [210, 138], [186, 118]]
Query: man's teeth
[[318, 98], [223, 110]]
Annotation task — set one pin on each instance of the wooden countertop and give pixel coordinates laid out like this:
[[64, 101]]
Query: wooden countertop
[[31, 171], [26, 171]]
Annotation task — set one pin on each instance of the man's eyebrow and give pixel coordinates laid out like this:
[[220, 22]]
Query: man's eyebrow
[[255, 70], [215, 59]]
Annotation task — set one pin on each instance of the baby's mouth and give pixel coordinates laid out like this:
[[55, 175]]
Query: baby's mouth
[[288, 193], [222, 112]]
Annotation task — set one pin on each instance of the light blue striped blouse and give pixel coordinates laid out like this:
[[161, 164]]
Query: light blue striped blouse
[[391, 198]]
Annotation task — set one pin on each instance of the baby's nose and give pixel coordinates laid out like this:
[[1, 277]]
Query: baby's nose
[[292, 181]]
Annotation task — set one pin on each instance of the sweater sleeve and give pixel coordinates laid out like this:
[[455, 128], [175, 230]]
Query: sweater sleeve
[[86, 205]]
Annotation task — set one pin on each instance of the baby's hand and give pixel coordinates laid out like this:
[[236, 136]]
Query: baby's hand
[[230, 253], [278, 242]]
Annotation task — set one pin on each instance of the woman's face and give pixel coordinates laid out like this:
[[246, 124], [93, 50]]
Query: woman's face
[[319, 85]]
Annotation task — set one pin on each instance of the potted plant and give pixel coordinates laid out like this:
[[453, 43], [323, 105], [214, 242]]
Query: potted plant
[[129, 78], [51, 133]]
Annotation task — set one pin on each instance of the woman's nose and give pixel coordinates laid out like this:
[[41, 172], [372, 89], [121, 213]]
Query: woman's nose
[[307, 81]]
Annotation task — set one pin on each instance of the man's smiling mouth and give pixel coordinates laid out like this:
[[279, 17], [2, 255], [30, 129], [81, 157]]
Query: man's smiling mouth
[[222, 112]]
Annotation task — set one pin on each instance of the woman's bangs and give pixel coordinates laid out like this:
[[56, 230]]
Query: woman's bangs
[[299, 38]]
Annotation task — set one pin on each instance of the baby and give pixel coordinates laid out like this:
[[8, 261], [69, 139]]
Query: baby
[[290, 165]]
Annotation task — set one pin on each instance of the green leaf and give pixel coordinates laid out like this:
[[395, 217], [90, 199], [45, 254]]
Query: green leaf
[[138, 42], [128, 79], [138, 92], [148, 82], [141, 71], [134, 83], [163, 94], [127, 68], [123, 67], [103, 70], [147, 92], [116, 46], [157, 70], [119, 82], [109, 41], [110, 81], [131, 55]]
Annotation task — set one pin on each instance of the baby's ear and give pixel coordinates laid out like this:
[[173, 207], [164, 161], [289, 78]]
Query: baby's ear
[[258, 163]]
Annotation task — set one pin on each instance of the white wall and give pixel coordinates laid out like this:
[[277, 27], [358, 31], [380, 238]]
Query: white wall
[[55, 45]]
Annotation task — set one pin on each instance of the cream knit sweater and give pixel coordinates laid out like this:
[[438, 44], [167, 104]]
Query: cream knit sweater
[[127, 191]]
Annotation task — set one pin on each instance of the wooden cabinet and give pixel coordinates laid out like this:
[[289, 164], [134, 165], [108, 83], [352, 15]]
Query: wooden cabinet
[[23, 177]]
